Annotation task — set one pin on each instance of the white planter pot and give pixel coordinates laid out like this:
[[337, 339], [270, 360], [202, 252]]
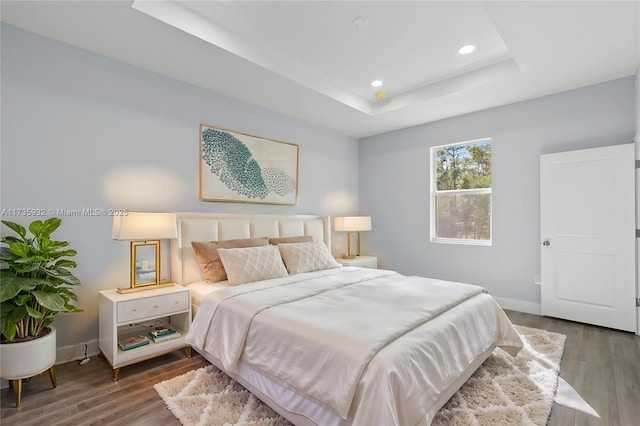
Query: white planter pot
[[26, 359]]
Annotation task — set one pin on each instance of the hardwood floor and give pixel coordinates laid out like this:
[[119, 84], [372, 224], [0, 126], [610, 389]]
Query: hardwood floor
[[87, 395], [603, 365]]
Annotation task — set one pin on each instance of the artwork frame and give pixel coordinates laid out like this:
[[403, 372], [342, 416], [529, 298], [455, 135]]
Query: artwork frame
[[237, 167], [145, 256]]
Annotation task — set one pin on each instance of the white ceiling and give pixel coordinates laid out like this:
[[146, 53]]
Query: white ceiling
[[307, 59]]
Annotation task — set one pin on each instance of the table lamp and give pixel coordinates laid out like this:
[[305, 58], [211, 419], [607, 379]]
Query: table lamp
[[144, 230], [352, 225]]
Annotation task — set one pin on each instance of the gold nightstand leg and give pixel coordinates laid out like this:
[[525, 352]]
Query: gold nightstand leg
[[17, 390], [52, 376], [116, 373], [188, 351]]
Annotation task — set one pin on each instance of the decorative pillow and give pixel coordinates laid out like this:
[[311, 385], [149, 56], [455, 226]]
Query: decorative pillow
[[302, 239], [307, 257], [209, 260], [246, 265]]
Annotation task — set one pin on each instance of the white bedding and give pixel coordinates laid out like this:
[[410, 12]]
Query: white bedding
[[322, 358], [200, 289]]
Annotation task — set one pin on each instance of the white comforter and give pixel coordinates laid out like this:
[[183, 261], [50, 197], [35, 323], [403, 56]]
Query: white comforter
[[319, 332]]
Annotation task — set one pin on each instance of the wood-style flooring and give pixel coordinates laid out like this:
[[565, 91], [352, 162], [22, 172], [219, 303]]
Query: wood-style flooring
[[603, 365]]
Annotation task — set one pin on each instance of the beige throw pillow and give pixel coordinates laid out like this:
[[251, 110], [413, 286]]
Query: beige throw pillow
[[307, 257], [209, 259], [301, 239], [247, 265]]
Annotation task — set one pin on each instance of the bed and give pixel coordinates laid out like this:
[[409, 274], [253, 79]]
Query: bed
[[335, 345]]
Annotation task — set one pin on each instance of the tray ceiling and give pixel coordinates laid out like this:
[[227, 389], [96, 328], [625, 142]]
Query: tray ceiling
[[315, 60]]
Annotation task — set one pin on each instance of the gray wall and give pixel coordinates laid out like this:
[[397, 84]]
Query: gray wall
[[394, 184], [83, 131], [637, 138]]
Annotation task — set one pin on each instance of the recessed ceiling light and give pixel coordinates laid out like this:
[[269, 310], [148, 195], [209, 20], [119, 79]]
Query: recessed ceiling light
[[376, 83], [465, 50]]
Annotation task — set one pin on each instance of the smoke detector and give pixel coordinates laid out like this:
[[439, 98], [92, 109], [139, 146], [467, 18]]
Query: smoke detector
[[360, 22]]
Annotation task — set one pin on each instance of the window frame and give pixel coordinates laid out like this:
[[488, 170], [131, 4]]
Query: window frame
[[474, 191]]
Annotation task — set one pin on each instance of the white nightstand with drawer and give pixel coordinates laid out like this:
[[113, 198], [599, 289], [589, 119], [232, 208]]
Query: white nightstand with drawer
[[130, 314], [361, 261]]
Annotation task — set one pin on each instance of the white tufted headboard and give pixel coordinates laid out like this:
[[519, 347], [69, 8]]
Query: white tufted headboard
[[218, 226]]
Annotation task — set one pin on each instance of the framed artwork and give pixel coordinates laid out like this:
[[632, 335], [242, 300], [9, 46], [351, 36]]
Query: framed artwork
[[240, 168], [146, 256]]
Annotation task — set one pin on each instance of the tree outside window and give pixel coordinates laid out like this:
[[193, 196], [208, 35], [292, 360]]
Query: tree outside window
[[461, 192]]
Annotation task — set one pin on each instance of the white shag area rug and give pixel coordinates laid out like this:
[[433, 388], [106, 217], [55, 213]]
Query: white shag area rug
[[503, 391]]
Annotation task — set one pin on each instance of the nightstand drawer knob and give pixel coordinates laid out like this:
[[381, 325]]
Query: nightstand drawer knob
[[155, 306]]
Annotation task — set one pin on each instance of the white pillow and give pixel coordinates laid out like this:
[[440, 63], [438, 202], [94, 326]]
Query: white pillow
[[307, 257], [246, 265]]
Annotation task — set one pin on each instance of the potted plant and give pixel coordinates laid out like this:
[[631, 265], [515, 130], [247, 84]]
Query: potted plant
[[36, 285]]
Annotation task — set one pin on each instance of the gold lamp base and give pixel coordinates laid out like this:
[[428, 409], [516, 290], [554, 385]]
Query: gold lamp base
[[145, 287], [350, 235]]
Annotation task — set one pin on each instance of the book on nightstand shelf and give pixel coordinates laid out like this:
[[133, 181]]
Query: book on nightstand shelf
[[131, 342], [161, 331], [166, 336]]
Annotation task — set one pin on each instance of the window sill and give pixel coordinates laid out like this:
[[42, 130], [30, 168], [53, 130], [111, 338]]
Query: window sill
[[484, 243]]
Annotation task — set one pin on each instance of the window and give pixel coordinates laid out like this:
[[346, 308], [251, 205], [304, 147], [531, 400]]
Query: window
[[461, 193]]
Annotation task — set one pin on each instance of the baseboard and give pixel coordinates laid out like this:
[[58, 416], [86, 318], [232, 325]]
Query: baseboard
[[75, 352], [518, 305]]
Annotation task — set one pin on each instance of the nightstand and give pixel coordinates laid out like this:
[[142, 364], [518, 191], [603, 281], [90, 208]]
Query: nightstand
[[129, 314], [361, 261]]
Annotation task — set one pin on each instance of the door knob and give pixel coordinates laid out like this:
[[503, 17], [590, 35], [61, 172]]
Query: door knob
[[546, 243]]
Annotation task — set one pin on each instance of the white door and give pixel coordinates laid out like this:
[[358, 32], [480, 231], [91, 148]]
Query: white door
[[587, 202]]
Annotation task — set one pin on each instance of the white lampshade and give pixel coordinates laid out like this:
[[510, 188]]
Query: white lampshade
[[142, 226], [352, 223]]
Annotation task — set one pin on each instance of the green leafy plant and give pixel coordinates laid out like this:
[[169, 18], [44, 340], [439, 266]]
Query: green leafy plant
[[36, 284]]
